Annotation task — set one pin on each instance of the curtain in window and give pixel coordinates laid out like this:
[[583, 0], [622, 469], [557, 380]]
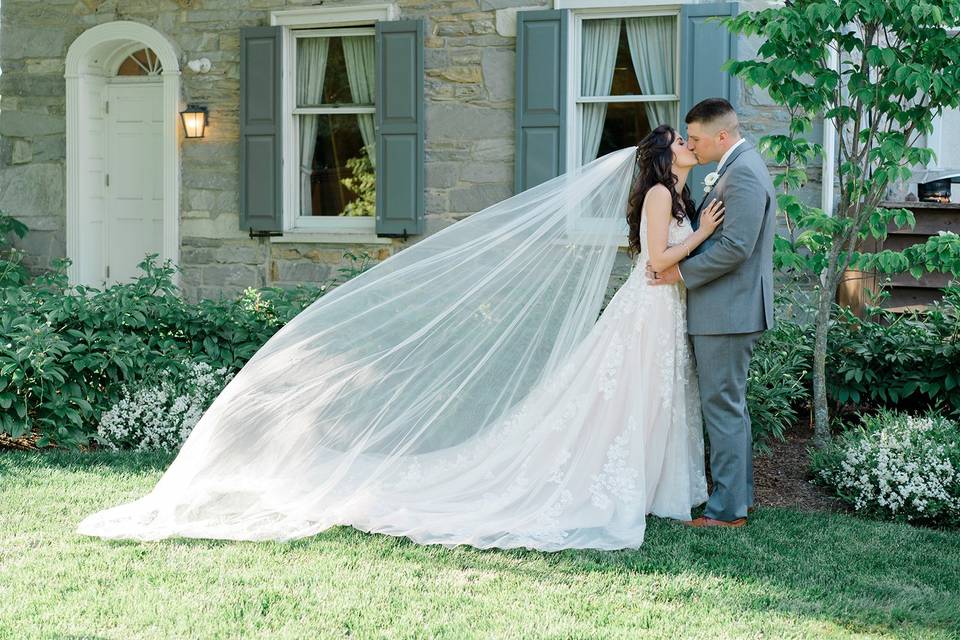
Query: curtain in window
[[359, 54], [600, 39], [653, 52], [311, 69]]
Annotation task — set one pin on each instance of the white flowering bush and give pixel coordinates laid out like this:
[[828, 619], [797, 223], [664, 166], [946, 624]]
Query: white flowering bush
[[161, 415], [896, 466]]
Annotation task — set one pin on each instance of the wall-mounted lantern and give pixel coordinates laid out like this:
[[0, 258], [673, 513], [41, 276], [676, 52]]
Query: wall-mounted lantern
[[194, 120]]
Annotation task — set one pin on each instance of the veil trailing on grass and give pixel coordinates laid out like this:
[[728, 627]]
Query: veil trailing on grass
[[376, 406]]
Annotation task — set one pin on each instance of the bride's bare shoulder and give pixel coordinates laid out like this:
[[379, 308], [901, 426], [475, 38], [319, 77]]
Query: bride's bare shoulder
[[658, 198]]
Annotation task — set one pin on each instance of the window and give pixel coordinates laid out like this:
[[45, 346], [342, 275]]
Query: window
[[329, 73], [943, 140], [143, 62], [333, 116], [625, 81]]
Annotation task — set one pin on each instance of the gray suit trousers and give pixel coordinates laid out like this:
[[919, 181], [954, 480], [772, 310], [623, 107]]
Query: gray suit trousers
[[723, 362]]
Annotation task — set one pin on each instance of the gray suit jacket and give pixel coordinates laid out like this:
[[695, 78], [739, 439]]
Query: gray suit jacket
[[729, 278]]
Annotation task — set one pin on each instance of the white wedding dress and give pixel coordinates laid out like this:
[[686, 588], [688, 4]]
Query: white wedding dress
[[379, 407], [616, 434]]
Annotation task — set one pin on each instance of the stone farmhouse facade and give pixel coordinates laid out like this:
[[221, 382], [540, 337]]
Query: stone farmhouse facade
[[331, 127]]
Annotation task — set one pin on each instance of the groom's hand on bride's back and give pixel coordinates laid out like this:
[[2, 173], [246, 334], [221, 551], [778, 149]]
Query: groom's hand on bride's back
[[670, 276]]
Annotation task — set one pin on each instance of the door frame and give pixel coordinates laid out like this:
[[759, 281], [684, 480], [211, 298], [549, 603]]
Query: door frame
[[92, 58]]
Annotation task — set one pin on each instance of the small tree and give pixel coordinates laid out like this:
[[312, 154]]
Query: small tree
[[897, 68]]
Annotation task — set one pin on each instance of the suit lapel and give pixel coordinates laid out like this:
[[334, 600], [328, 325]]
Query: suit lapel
[[733, 156]]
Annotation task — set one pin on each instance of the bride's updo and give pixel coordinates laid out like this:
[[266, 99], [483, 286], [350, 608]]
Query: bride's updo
[[655, 166]]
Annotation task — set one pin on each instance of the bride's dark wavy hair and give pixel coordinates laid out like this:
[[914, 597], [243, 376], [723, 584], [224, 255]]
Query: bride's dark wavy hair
[[654, 163]]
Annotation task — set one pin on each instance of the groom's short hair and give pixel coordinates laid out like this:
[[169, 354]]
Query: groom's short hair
[[715, 113]]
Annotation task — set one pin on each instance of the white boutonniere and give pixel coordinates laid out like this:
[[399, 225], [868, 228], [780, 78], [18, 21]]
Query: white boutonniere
[[709, 180]]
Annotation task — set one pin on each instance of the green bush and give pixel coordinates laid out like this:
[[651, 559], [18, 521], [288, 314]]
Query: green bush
[[906, 361], [67, 351], [896, 466], [777, 381], [12, 272], [909, 361]]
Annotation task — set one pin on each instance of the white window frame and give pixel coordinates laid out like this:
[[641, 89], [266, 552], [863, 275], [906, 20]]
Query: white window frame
[[310, 22], [607, 5], [574, 60], [936, 141]]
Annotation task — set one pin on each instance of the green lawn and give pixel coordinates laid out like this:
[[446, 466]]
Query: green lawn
[[786, 575]]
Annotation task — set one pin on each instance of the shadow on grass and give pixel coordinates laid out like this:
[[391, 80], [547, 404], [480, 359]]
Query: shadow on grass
[[69, 460], [861, 575], [867, 576]]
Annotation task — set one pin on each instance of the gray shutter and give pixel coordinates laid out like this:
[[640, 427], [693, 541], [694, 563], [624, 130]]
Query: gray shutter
[[400, 128], [706, 46], [541, 97], [261, 142]]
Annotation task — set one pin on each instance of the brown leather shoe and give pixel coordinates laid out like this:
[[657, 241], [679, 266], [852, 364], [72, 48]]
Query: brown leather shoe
[[704, 521]]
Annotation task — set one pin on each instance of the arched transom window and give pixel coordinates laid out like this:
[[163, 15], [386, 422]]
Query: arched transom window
[[143, 62]]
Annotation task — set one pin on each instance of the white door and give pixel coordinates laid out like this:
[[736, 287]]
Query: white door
[[134, 177]]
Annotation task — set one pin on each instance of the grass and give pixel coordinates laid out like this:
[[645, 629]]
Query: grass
[[786, 575]]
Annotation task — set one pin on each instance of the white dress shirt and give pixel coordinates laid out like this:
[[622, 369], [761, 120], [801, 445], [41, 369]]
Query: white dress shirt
[[724, 157]]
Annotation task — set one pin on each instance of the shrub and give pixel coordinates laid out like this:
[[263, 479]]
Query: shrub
[[907, 361], [161, 416], [895, 466], [12, 272], [70, 353], [778, 380]]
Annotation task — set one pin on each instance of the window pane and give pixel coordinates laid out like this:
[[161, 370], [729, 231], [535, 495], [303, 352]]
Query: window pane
[[336, 169], [335, 71], [629, 44], [141, 63], [624, 77], [626, 124]]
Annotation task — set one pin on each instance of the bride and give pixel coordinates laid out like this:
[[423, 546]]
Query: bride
[[463, 391]]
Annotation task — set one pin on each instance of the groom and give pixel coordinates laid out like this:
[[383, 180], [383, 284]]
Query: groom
[[729, 281]]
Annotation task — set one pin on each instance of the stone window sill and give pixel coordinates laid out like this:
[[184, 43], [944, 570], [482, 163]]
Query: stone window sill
[[305, 236]]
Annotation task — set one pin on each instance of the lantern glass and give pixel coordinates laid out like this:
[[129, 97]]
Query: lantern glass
[[194, 121]]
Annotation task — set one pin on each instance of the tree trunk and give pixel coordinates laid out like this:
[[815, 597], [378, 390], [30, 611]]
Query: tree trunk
[[828, 292]]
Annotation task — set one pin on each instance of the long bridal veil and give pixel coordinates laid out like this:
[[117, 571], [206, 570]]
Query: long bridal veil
[[365, 408]]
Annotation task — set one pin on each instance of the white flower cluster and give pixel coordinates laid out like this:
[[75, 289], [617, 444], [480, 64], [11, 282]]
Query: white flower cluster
[[903, 468], [161, 416]]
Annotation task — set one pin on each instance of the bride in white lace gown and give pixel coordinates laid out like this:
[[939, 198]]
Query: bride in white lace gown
[[612, 434], [619, 432]]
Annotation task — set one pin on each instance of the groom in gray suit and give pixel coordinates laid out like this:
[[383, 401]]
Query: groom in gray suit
[[729, 281]]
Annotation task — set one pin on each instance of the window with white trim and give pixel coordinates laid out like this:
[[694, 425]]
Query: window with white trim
[[625, 78], [330, 189], [334, 111]]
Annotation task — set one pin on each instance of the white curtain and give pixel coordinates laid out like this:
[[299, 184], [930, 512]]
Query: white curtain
[[600, 39], [311, 69], [359, 53], [653, 51]]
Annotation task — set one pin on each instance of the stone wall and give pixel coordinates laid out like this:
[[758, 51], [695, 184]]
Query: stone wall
[[469, 68]]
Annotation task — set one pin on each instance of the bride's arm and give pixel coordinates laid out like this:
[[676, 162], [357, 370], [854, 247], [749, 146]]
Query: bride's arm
[[659, 208]]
